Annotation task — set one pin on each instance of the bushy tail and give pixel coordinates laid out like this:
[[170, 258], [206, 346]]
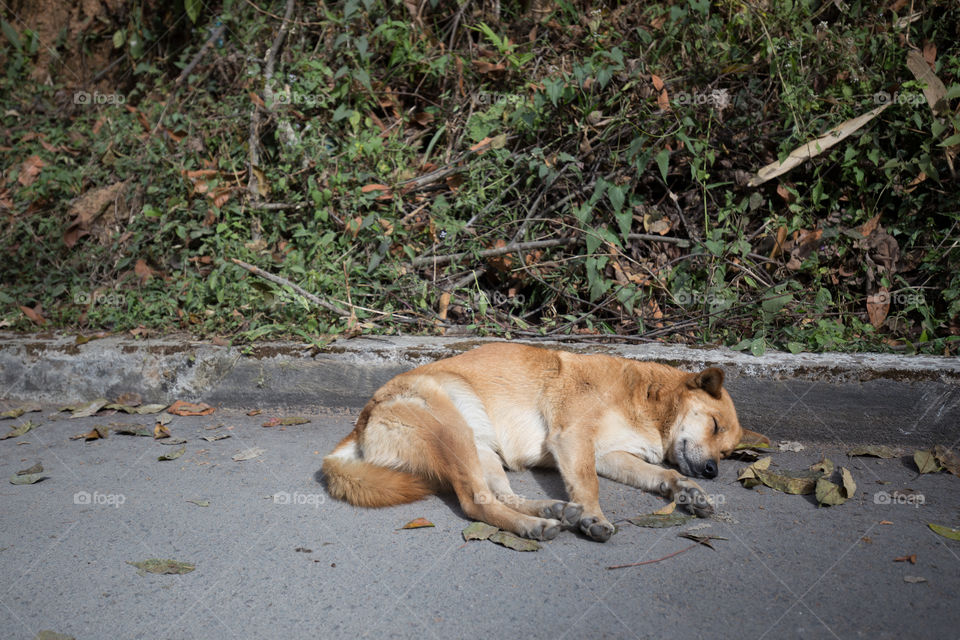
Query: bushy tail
[[368, 485]]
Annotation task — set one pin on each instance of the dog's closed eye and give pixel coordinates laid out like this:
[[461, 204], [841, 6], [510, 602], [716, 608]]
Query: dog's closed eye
[[716, 427]]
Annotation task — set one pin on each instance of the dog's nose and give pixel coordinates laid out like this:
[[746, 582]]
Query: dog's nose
[[710, 469]]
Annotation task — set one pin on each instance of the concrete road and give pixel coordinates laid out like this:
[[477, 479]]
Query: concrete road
[[310, 567]]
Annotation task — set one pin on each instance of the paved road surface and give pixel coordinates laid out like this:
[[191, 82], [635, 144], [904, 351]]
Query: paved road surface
[[315, 568]]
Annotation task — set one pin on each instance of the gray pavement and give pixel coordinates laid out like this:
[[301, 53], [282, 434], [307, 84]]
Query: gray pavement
[[317, 568]]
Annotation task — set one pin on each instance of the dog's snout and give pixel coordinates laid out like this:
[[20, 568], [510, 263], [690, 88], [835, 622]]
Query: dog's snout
[[710, 469]]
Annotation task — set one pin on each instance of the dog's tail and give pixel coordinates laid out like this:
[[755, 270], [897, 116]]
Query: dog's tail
[[365, 484]]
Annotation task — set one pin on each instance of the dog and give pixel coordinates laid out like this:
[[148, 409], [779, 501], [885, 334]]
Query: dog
[[456, 423]]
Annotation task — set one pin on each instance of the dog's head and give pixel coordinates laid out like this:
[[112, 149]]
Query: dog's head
[[706, 428]]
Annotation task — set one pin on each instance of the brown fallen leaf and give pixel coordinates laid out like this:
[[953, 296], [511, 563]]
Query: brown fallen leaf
[[885, 522], [878, 306], [182, 408], [418, 523], [19, 411], [666, 509], [948, 459], [254, 412], [160, 430], [30, 169], [912, 558], [35, 315]]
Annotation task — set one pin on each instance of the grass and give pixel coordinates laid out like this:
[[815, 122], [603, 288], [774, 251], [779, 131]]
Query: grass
[[612, 145]]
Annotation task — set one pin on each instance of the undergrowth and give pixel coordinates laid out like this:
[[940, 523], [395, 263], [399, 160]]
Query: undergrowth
[[584, 172]]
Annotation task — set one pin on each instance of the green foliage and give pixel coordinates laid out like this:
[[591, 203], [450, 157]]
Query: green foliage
[[554, 134]]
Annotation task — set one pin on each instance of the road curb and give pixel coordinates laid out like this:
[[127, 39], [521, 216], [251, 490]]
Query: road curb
[[815, 397]]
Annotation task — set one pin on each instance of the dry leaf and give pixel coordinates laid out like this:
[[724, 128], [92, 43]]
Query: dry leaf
[[173, 455], [926, 462], [248, 454], [878, 305], [30, 169], [418, 523], [934, 90], [912, 558], [513, 542], [877, 451], [479, 531], [35, 315], [666, 509], [815, 147], [181, 408]]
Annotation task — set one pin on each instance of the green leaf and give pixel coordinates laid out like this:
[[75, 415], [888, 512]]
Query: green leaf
[[758, 347], [953, 92], [193, 9], [11, 34], [663, 161], [946, 532], [119, 37]]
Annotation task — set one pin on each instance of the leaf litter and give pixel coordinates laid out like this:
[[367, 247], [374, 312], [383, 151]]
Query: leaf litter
[[161, 566], [418, 523], [876, 451], [20, 429], [19, 411]]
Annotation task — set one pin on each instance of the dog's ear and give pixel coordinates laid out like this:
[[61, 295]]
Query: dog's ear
[[710, 380], [752, 437]]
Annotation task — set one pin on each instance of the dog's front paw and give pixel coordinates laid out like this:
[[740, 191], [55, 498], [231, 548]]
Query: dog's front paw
[[597, 528], [546, 529], [687, 492], [568, 513]]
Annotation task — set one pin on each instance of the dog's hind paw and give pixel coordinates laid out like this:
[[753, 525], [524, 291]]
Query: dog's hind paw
[[597, 528], [568, 513]]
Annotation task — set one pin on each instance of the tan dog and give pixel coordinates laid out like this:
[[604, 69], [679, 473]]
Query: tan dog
[[457, 422]]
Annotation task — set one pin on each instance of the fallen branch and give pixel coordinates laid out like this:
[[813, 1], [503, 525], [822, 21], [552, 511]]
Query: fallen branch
[[666, 557], [266, 275], [187, 70], [535, 244]]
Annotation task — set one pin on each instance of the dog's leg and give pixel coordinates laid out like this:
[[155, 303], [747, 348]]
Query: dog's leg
[[629, 469], [576, 461], [447, 442], [567, 512]]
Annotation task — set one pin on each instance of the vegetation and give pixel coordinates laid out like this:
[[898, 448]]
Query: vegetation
[[569, 169]]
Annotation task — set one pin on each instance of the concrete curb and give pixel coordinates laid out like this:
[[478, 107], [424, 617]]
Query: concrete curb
[[842, 398]]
